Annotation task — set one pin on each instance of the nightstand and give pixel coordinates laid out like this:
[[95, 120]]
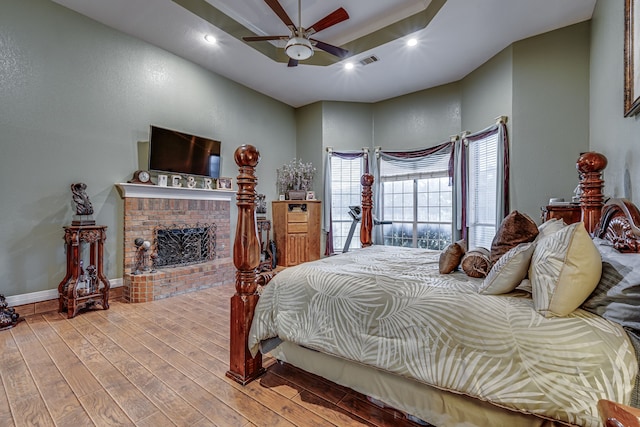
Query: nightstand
[[569, 212]]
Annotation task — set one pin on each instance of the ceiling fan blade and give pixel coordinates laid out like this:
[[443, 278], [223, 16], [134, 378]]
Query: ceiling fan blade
[[331, 19], [333, 50], [292, 62], [264, 38], [278, 10]]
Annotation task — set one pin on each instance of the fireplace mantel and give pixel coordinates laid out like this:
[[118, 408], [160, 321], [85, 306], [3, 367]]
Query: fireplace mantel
[[146, 191]]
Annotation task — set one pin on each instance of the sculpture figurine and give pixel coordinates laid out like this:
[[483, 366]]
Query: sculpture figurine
[[142, 256], [8, 316], [80, 198]]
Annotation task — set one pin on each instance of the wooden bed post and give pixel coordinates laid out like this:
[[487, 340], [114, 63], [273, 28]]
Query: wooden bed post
[[590, 166], [366, 225], [246, 258]]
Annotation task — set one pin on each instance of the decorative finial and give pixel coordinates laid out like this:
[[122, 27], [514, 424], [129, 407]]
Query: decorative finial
[[591, 162], [247, 155]]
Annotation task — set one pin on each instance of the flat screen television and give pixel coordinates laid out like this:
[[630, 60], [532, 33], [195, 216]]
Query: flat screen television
[[180, 153]]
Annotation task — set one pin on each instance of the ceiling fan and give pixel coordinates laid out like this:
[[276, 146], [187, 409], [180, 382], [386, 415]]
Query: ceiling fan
[[300, 44]]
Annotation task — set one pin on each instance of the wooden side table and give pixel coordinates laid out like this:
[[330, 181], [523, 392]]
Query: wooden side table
[[83, 287], [569, 213]]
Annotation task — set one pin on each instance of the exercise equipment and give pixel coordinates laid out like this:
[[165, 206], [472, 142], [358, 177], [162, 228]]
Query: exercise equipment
[[356, 214]]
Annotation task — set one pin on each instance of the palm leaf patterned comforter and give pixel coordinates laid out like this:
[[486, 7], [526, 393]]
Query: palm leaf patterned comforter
[[389, 307]]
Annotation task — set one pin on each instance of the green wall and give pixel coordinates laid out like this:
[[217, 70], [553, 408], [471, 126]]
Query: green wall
[[346, 126], [550, 119], [309, 136], [487, 93], [76, 97], [610, 132], [418, 120]]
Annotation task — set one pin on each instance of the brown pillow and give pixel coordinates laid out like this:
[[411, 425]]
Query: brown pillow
[[451, 256], [477, 263], [516, 228]]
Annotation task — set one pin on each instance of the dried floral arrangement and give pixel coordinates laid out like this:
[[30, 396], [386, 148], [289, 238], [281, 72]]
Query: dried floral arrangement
[[296, 175]]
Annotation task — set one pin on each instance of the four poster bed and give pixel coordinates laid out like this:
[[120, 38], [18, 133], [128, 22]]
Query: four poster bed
[[383, 320]]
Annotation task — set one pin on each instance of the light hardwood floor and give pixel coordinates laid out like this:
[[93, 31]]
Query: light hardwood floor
[[158, 364]]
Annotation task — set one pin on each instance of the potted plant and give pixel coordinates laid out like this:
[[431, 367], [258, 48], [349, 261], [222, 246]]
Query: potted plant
[[295, 179]]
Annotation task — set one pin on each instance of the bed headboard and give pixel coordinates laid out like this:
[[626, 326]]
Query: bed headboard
[[617, 221], [620, 224]]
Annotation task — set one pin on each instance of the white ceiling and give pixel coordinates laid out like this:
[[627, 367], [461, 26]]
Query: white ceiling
[[462, 36]]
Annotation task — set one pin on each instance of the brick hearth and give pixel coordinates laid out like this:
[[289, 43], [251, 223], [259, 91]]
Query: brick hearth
[[147, 207]]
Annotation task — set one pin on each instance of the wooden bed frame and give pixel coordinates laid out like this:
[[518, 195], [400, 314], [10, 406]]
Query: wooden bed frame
[[617, 221]]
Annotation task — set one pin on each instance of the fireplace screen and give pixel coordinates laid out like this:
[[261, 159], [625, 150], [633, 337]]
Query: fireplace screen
[[182, 245]]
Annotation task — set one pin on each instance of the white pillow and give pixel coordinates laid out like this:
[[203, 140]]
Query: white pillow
[[549, 227], [507, 273], [565, 269]]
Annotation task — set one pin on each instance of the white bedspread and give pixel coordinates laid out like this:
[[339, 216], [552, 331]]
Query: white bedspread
[[389, 308]]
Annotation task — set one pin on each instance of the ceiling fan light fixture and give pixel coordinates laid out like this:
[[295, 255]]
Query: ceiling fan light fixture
[[299, 48]]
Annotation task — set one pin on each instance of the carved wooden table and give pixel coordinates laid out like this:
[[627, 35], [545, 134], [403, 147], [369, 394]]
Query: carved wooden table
[[83, 287]]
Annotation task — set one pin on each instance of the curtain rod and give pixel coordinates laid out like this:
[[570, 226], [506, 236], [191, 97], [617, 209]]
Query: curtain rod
[[330, 150]]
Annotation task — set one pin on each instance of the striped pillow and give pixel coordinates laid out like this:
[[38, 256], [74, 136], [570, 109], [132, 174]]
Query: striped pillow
[[507, 273]]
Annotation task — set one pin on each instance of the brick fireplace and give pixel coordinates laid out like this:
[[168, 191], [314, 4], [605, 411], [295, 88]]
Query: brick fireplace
[[149, 207]]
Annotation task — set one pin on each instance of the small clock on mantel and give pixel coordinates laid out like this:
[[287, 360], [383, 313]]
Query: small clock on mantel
[[141, 177]]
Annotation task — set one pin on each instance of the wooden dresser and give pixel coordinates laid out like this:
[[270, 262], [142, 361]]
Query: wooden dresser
[[296, 228]]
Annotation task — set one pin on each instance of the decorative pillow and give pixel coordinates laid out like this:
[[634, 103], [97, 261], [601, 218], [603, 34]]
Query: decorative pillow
[[476, 263], [508, 272], [549, 227], [565, 269], [617, 296], [514, 229], [451, 256]]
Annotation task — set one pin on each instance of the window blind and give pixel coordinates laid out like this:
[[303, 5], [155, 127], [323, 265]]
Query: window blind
[[345, 192], [482, 190]]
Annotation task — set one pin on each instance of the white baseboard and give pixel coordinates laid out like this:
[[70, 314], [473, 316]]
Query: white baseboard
[[49, 294]]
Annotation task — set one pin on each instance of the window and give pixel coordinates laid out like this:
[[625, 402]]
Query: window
[[345, 192], [482, 200], [420, 210], [416, 197]]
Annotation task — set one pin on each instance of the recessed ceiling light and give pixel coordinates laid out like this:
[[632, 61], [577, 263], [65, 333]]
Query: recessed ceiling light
[[209, 38], [412, 42], [348, 66]]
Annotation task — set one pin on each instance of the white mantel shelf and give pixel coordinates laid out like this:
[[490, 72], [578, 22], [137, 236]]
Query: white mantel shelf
[[145, 191]]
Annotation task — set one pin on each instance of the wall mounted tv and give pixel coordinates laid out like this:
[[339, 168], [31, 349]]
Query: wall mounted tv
[[180, 153]]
